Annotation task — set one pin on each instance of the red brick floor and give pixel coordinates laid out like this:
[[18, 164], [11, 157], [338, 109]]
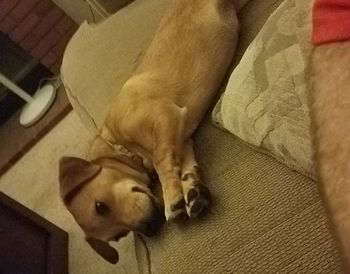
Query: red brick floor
[[16, 140]]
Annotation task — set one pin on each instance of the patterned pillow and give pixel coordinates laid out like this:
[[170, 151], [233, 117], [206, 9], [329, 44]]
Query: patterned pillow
[[266, 99]]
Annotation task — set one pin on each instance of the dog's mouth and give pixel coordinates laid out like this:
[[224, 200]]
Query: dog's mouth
[[152, 225], [149, 227], [120, 235]]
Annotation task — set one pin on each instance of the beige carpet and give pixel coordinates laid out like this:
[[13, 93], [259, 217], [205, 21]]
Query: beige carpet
[[33, 183]]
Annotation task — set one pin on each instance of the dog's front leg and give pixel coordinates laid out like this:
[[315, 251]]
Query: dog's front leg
[[195, 192], [168, 138]]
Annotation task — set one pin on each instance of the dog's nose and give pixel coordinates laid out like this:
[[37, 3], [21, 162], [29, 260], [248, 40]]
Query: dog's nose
[[152, 225]]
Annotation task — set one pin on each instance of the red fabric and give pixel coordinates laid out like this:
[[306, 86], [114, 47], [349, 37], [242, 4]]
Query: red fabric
[[331, 21]]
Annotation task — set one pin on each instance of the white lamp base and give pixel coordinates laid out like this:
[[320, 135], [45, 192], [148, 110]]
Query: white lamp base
[[42, 100]]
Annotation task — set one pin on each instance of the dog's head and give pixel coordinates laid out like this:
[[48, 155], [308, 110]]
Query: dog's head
[[107, 203]]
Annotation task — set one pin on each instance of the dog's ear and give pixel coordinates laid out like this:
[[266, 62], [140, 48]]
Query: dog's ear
[[104, 250], [73, 173]]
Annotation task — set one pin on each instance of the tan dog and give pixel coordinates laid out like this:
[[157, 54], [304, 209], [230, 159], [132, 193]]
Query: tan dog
[[149, 127]]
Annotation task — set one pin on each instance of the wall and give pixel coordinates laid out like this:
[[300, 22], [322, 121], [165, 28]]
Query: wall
[[39, 27]]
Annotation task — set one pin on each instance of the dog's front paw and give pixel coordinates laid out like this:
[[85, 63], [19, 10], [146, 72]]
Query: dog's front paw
[[197, 195], [174, 203]]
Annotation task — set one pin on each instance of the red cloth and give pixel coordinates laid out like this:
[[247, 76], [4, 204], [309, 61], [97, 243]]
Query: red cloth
[[331, 21]]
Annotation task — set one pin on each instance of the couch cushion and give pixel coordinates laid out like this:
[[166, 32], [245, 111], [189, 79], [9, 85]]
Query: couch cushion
[[266, 218], [100, 58], [272, 112]]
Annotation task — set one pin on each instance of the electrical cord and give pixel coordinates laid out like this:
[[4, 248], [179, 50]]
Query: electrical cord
[[55, 81]]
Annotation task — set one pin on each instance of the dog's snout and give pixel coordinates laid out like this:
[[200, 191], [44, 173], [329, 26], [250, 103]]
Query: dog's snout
[[152, 225]]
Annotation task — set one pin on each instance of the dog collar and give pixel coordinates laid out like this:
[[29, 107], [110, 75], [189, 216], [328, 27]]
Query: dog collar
[[137, 159]]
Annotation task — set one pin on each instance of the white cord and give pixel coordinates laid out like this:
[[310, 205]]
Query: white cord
[[56, 81]]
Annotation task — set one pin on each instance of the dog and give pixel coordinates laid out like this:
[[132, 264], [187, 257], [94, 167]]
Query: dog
[[149, 128]]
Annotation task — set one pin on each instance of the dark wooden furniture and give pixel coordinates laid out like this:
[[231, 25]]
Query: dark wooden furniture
[[28, 243]]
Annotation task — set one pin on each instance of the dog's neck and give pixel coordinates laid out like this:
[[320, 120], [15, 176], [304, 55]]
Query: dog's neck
[[125, 156], [108, 153]]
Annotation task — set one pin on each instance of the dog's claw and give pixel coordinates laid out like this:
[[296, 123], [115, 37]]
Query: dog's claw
[[192, 194]]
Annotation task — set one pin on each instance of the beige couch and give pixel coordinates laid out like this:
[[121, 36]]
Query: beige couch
[[266, 217]]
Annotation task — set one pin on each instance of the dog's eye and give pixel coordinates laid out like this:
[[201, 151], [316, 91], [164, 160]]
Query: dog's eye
[[137, 189], [101, 208]]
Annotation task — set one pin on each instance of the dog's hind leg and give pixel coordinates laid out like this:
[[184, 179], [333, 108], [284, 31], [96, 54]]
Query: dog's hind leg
[[195, 193]]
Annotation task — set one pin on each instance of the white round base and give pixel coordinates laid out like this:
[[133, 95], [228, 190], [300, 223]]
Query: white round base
[[42, 101]]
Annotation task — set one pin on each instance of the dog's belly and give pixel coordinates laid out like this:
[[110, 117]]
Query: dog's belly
[[184, 66], [189, 56]]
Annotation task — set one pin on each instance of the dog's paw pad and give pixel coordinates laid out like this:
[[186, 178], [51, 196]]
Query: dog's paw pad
[[197, 201], [192, 194], [198, 208]]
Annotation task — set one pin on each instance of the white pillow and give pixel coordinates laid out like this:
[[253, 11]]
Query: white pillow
[[266, 99]]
